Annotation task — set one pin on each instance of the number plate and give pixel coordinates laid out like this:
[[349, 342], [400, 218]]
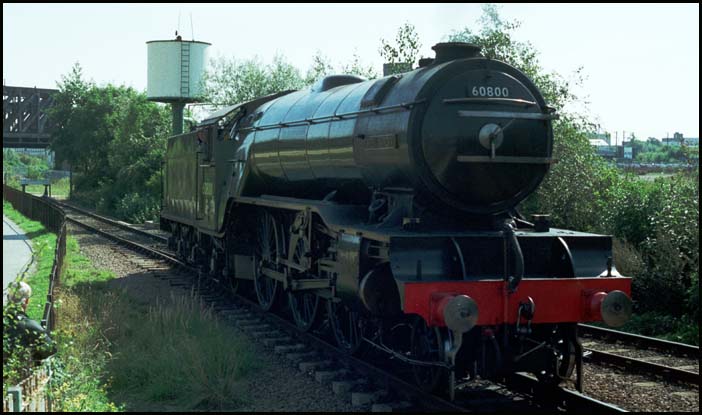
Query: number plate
[[490, 91]]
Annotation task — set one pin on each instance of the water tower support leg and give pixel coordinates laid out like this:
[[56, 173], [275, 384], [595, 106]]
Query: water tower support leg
[[177, 108]]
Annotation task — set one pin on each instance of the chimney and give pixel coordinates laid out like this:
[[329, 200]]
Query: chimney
[[449, 51]]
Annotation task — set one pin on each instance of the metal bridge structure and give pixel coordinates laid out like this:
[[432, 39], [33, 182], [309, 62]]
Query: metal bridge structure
[[25, 122]]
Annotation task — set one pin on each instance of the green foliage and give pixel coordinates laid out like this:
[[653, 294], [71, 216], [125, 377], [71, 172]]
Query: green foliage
[[16, 164], [230, 81], [497, 40], [116, 139], [203, 370], [693, 298], [624, 206], [656, 223], [654, 151], [80, 381], [124, 356], [78, 269], [567, 191], [10, 161], [672, 249], [321, 67], [43, 247], [356, 67], [405, 51], [663, 325], [138, 207], [16, 358]]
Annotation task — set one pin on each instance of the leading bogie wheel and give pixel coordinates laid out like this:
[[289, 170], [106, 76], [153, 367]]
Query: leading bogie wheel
[[347, 326], [427, 345]]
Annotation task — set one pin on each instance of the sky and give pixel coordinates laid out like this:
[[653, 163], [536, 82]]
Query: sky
[[640, 61]]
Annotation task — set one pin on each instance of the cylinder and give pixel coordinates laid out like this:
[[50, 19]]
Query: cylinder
[[175, 70]]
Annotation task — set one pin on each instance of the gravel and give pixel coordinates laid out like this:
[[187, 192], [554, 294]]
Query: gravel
[[281, 387], [666, 359], [638, 393], [103, 254]]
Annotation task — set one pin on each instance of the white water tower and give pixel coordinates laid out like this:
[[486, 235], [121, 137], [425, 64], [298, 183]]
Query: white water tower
[[175, 70]]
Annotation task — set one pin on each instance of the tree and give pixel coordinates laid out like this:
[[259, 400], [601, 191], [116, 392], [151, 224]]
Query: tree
[[404, 53], [567, 191], [496, 38], [116, 139], [68, 140], [657, 223], [356, 67], [321, 67], [134, 158], [230, 81]]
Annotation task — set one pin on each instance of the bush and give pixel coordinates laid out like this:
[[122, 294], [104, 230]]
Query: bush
[[680, 329], [627, 259], [115, 140], [693, 298], [16, 359], [625, 206], [138, 207]]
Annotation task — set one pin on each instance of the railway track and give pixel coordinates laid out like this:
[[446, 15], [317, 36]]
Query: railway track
[[362, 382], [672, 361], [107, 224]]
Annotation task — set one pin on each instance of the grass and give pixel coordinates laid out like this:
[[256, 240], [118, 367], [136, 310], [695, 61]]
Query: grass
[[78, 269], [170, 355], [43, 243], [60, 189], [117, 354], [653, 176], [180, 356], [15, 359]]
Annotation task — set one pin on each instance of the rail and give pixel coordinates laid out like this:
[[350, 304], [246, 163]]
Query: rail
[[112, 222], [553, 398], [51, 215], [643, 341]]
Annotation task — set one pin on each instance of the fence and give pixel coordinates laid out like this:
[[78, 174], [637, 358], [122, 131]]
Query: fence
[[30, 394]]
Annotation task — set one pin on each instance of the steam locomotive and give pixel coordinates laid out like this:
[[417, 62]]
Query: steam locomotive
[[388, 207]]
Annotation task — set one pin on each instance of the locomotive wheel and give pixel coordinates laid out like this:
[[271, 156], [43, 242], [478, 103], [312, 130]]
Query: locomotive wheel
[[426, 344], [346, 324], [304, 305], [266, 253], [216, 264], [232, 284], [173, 238], [180, 243], [563, 363]]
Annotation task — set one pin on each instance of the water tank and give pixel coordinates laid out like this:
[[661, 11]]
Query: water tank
[[175, 69]]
